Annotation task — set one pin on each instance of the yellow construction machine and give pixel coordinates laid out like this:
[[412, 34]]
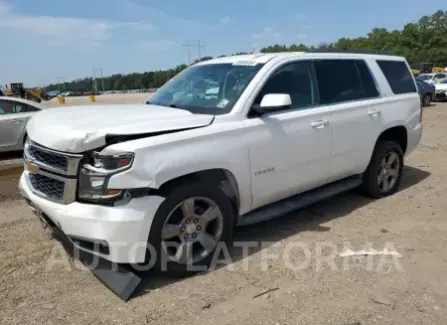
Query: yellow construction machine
[[34, 94], [427, 68]]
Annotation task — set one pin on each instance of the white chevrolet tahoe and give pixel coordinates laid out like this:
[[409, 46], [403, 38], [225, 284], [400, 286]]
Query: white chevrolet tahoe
[[227, 142]]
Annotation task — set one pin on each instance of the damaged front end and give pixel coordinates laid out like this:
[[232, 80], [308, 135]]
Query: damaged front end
[[82, 129], [119, 278], [56, 190], [55, 181], [82, 186]]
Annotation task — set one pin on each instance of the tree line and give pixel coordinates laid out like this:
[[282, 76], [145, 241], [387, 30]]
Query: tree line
[[424, 41]]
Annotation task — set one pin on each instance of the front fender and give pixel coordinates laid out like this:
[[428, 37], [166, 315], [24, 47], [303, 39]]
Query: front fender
[[156, 165]]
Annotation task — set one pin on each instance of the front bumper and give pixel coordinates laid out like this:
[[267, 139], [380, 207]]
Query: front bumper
[[441, 96], [124, 230]]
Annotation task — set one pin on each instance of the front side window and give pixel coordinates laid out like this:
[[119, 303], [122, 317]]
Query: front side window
[[344, 80], [398, 75], [440, 76], [294, 79], [207, 89]]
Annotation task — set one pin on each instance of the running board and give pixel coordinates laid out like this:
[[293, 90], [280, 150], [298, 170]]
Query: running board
[[277, 209]]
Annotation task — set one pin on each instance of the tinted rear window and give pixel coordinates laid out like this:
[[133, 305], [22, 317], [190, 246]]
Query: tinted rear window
[[344, 80], [369, 86], [6, 107], [398, 76]]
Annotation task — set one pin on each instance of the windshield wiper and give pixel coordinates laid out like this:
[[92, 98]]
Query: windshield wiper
[[166, 105]]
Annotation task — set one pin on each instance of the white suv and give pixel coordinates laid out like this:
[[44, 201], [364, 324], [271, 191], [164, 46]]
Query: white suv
[[228, 142]]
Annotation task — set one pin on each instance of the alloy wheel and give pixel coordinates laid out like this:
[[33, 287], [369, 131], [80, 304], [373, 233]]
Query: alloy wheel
[[192, 230], [388, 173]]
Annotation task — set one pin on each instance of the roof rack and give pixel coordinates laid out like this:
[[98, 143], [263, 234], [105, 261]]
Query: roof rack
[[351, 51]]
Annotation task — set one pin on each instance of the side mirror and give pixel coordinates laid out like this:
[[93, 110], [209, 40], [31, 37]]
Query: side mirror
[[273, 102]]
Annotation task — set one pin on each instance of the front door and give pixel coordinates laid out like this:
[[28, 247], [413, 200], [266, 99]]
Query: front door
[[289, 150]]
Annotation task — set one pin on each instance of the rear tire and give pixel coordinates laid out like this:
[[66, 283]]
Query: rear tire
[[426, 100], [384, 173], [203, 214]]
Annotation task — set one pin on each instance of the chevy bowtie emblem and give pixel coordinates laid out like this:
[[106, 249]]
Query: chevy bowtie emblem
[[31, 167]]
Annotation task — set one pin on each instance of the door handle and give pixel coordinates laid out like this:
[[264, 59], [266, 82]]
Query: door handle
[[16, 121], [373, 111], [319, 124]]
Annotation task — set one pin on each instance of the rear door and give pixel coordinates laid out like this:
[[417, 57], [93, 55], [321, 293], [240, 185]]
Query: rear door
[[348, 91], [13, 119], [10, 126], [23, 112]]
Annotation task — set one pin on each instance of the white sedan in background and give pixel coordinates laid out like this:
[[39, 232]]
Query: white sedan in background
[[432, 78], [14, 115], [441, 90]]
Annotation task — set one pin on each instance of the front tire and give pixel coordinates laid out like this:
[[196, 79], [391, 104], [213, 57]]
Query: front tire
[[384, 173], [188, 226]]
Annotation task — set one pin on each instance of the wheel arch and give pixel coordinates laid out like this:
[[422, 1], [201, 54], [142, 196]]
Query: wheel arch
[[222, 177], [398, 134]]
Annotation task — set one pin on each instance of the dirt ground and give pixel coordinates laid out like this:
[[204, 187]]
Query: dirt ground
[[407, 289]]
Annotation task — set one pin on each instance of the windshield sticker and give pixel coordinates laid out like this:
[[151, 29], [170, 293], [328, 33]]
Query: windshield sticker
[[224, 102], [246, 63]]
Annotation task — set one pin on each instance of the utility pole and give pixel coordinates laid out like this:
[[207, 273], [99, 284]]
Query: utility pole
[[199, 47], [102, 81], [98, 71], [194, 44], [95, 86], [60, 81], [188, 45]]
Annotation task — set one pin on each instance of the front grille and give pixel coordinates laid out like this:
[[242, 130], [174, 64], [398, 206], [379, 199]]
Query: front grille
[[54, 175], [48, 158], [49, 187]]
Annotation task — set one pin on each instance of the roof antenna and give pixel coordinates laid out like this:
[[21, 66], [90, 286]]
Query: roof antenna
[[257, 51]]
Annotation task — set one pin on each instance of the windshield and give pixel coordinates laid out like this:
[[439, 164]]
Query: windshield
[[206, 89], [424, 77]]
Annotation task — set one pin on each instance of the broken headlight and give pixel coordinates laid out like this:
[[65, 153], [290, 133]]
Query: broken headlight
[[94, 177]]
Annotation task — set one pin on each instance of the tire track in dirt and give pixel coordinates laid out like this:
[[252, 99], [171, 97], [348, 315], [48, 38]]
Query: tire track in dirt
[[9, 181]]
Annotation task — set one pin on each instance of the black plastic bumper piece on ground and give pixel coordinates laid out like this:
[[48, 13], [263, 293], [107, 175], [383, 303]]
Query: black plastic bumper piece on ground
[[119, 279]]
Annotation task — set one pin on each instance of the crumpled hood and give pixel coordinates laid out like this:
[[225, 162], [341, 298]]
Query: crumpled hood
[[81, 128]]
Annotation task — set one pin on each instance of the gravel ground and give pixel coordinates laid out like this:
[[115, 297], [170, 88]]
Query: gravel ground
[[410, 289]]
